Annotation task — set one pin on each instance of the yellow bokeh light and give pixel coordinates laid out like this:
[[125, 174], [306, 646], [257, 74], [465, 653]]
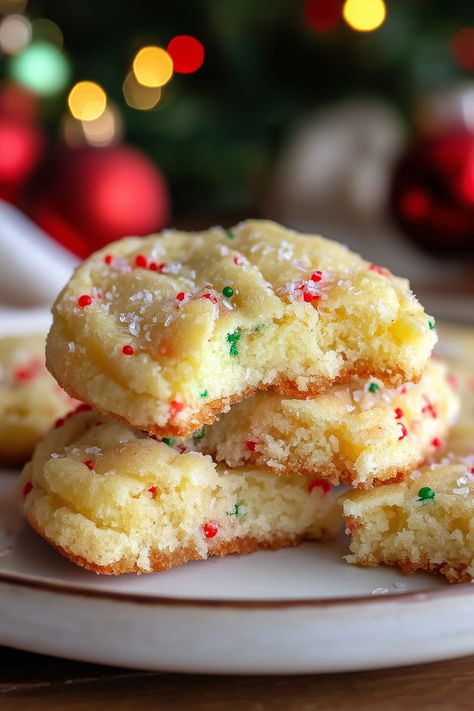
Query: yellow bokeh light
[[364, 15], [87, 101], [138, 96], [153, 66]]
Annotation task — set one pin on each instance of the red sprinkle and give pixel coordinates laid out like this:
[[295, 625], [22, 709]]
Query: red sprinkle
[[403, 390], [429, 408], [108, 259], [404, 430], [321, 484], [180, 296], [27, 488], [211, 297], [89, 464], [210, 529], [316, 276], [251, 445], [436, 442], [398, 413], [80, 408], [452, 381], [127, 350], [153, 267], [24, 374], [84, 300], [152, 491], [176, 407], [141, 262], [308, 297], [379, 270], [238, 261]]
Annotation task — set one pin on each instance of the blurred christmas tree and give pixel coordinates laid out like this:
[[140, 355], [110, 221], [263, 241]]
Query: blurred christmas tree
[[214, 132]]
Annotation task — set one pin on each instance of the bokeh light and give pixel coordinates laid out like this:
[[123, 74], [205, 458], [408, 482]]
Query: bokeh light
[[105, 130], [322, 15], [364, 15], [48, 31], [463, 48], [41, 67], [187, 54], [153, 66], [138, 96], [9, 6], [87, 101], [15, 34]]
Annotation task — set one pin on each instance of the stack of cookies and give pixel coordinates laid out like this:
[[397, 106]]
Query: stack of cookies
[[231, 379]]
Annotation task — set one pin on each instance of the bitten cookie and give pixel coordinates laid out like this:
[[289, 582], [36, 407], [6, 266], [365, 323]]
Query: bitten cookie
[[423, 523], [360, 433], [166, 332], [30, 400], [114, 500]]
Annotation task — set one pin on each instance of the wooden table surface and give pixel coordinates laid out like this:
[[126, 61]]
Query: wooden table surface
[[33, 682]]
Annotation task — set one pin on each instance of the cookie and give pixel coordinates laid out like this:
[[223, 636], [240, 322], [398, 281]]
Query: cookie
[[166, 332], [456, 346], [114, 500], [424, 523], [30, 400], [359, 434]]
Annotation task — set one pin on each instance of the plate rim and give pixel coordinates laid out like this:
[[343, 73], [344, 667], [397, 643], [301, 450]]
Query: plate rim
[[34, 583]]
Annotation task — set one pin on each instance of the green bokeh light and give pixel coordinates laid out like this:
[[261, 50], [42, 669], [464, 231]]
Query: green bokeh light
[[41, 67]]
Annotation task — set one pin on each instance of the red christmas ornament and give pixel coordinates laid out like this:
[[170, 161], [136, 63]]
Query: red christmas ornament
[[433, 192], [21, 147], [92, 196]]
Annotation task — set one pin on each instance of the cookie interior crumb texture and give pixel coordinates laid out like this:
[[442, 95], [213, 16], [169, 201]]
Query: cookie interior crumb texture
[[166, 332], [115, 500], [423, 523], [360, 433]]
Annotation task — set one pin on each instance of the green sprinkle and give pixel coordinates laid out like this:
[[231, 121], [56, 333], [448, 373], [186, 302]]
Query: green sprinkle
[[168, 440], [431, 324], [236, 511], [204, 393], [199, 434], [230, 234], [426, 493], [228, 291], [259, 327], [373, 387], [233, 338]]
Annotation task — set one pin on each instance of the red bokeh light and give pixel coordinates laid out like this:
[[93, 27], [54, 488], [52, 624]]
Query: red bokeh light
[[463, 48], [187, 54], [322, 15]]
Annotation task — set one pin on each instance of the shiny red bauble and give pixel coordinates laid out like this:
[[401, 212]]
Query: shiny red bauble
[[433, 192], [92, 196]]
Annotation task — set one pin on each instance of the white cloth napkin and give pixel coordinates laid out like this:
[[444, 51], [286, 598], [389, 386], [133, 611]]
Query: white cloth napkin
[[33, 270]]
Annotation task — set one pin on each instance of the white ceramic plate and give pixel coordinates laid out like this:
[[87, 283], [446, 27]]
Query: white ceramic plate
[[294, 611]]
